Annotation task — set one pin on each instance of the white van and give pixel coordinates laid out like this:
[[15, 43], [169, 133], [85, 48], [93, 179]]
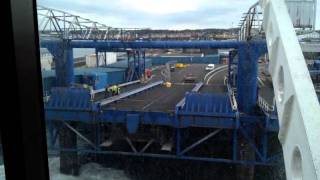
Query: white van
[[210, 67]]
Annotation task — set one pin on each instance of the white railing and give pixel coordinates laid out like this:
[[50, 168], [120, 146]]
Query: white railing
[[297, 104], [232, 98], [265, 105]]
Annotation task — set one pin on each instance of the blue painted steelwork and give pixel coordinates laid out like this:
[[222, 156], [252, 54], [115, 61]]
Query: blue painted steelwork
[[132, 123], [196, 110], [264, 158], [112, 45], [235, 139], [206, 105], [62, 54], [56, 112], [247, 83], [199, 142], [167, 120], [70, 99], [182, 102], [184, 120]]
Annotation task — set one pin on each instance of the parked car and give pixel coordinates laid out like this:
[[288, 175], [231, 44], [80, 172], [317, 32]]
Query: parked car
[[189, 78], [210, 67], [172, 67]]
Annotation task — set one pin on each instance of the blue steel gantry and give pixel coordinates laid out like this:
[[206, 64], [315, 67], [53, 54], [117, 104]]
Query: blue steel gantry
[[70, 108], [198, 110]]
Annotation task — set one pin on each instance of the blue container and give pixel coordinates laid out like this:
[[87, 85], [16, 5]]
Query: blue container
[[98, 78], [148, 63], [119, 64], [95, 79], [116, 77]]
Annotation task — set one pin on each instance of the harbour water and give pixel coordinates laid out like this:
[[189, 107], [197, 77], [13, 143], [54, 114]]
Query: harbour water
[[143, 169], [90, 171]]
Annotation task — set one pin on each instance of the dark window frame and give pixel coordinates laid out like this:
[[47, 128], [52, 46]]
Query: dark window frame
[[23, 132]]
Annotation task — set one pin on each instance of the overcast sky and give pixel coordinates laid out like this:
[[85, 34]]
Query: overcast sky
[[160, 14]]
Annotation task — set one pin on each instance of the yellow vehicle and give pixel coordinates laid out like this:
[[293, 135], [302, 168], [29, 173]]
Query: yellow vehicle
[[180, 65]]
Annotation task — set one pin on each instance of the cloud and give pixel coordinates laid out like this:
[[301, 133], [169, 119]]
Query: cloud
[[163, 7], [158, 14]]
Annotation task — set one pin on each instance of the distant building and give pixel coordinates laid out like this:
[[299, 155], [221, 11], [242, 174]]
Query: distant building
[[110, 58], [312, 36], [46, 59], [302, 13]]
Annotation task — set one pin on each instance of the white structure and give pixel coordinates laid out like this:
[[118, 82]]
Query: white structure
[[46, 62], [104, 59], [46, 59], [296, 100]]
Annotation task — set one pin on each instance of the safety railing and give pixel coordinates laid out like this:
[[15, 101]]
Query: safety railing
[[263, 104], [251, 23]]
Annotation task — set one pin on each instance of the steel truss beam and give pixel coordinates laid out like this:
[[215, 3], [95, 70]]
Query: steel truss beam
[[80, 135], [199, 142], [178, 154], [60, 24]]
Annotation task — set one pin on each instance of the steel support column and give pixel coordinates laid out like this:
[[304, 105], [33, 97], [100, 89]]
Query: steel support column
[[62, 54], [68, 160], [97, 57], [247, 83]]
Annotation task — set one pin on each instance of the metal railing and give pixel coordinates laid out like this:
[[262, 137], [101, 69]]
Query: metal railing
[[129, 93], [54, 23], [263, 104], [251, 23], [232, 98]]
